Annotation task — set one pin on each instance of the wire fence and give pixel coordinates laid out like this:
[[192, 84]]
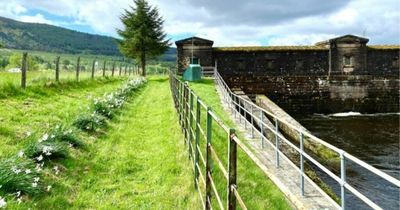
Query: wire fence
[[80, 69], [198, 124]]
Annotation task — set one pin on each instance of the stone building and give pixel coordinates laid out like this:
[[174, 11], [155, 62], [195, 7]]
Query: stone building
[[340, 74]]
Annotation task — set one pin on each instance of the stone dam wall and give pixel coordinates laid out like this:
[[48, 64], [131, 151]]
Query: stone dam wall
[[339, 75]]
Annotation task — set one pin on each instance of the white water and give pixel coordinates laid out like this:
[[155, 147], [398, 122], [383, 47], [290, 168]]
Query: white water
[[345, 114], [352, 114]]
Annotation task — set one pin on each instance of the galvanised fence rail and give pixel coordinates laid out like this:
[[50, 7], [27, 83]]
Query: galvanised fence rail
[[246, 110]]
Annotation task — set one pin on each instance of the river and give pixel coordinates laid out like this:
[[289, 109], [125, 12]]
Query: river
[[373, 139]]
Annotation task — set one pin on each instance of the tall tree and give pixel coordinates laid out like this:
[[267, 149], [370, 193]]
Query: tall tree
[[143, 36]]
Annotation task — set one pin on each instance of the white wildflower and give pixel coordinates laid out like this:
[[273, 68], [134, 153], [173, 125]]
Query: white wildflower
[[44, 137], [3, 203], [19, 200], [56, 170], [34, 184], [52, 136], [36, 179], [28, 171], [18, 194], [28, 134], [70, 145], [47, 150], [16, 170], [48, 188], [57, 126], [21, 154], [38, 167], [40, 158]]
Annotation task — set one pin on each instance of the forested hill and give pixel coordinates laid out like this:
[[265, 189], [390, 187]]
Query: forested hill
[[43, 37]]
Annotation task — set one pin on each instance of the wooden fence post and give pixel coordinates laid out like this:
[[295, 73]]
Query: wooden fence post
[[186, 111], [78, 68], [113, 69], [232, 158], [208, 161], [196, 146], [93, 66], [104, 69], [126, 68], [120, 69], [130, 70], [190, 125], [58, 68], [24, 66]]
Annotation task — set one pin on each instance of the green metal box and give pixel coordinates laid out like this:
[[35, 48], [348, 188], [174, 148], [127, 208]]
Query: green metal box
[[192, 73]]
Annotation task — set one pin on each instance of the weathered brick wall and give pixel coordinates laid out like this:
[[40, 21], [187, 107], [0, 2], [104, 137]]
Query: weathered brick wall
[[309, 88], [316, 94], [308, 79], [383, 62], [204, 54], [261, 63]]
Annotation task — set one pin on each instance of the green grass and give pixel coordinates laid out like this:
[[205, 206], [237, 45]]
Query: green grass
[[10, 81], [37, 109], [138, 162], [257, 191]]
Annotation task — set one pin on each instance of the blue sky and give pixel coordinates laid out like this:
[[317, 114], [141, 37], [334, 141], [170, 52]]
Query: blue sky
[[227, 22]]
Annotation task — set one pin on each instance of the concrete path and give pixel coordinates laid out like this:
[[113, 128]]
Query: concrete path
[[287, 176]]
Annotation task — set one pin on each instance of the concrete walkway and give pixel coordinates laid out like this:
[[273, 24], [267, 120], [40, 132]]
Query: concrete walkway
[[287, 176]]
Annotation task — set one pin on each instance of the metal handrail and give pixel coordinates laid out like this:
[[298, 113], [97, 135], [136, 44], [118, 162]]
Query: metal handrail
[[234, 100]]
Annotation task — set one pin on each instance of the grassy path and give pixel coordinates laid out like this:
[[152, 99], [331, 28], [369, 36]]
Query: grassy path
[[141, 162]]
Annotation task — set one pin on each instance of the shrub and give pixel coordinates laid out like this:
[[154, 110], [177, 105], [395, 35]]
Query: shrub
[[46, 150], [63, 134], [90, 122], [20, 175], [103, 108]]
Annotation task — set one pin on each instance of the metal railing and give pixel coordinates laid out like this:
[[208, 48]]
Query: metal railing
[[237, 104]]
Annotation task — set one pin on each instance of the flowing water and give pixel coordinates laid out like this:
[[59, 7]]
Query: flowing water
[[373, 139]]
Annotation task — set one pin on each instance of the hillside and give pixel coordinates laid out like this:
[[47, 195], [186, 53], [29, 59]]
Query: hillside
[[44, 37]]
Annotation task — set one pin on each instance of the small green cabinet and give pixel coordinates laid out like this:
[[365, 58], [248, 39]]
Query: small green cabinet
[[192, 73]]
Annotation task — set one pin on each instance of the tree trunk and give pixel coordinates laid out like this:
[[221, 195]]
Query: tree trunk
[[143, 64]]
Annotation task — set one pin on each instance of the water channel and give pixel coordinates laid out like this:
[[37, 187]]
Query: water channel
[[373, 138]]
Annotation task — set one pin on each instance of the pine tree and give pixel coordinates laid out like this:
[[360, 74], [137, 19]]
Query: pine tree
[[143, 36]]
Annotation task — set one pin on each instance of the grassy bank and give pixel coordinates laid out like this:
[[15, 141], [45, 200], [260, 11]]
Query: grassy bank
[[138, 162], [34, 110]]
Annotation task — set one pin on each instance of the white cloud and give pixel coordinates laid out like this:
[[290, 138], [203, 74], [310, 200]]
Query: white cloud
[[38, 18], [234, 22], [11, 9]]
